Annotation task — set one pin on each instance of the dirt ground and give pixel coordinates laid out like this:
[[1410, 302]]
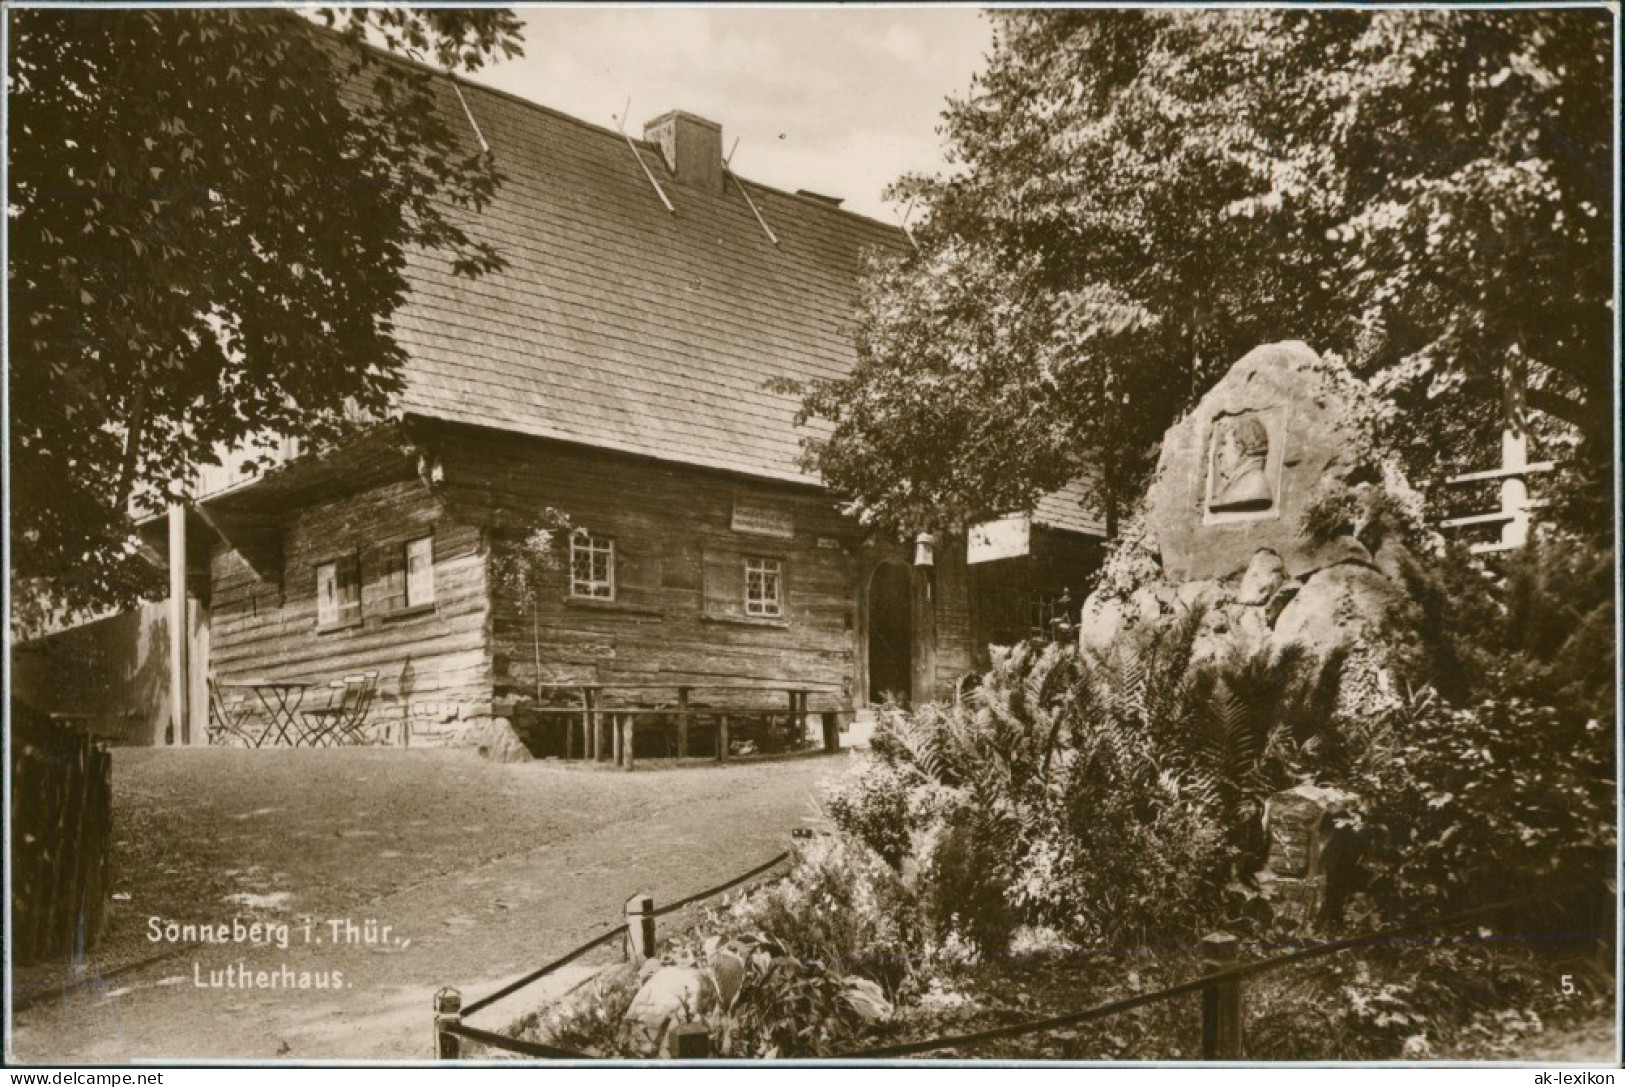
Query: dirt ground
[[481, 872]]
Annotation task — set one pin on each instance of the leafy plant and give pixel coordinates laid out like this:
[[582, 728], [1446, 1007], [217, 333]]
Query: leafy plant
[[524, 564], [210, 215], [1114, 797], [1486, 802]]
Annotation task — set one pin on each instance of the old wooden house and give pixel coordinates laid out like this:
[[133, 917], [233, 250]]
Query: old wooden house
[[617, 371]]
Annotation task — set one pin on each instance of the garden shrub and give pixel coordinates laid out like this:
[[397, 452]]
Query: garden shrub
[[1115, 799], [840, 906], [872, 807], [1489, 802], [835, 935], [1536, 623]]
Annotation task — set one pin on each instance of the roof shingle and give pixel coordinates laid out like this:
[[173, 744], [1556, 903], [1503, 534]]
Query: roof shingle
[[619, 324]]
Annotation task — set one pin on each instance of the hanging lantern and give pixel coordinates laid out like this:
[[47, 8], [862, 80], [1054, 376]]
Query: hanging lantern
[[924, 549]]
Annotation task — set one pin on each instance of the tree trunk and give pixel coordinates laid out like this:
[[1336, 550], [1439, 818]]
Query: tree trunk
[[132, 446]]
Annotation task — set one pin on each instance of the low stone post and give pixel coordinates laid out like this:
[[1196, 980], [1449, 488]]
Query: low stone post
[[448, 1011], [640, 929], [1221, 1001], [690, 1042]]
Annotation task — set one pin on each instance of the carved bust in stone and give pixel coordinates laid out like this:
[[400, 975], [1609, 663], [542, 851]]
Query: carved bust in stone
[[1237, 480]]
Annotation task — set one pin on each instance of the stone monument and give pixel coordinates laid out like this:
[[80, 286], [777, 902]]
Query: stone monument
[[1224, 523]]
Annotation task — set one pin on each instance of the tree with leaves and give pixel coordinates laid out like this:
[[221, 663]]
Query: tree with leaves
[[210, 215], [1140, 197]]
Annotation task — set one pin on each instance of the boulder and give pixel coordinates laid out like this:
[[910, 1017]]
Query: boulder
[[1199, 594], [1100, 622], [669, 994], [496, 740], [1336, 608], [1104, 618], [1236, 474], [1279, 599], [1227, 626], [1265, 573]]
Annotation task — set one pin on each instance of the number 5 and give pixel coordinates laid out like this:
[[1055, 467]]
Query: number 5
[[1567, 984]]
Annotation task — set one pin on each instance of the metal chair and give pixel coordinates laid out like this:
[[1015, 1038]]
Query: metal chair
[[345, 719], [226, 717]]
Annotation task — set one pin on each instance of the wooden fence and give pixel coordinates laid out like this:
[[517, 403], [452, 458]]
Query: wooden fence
[[61, 838], [1221, 990]]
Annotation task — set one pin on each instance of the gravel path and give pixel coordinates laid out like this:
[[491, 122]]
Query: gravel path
[[481, 872]]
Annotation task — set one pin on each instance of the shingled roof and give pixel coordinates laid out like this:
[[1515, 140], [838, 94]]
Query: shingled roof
[[622, 325], [625, 326]]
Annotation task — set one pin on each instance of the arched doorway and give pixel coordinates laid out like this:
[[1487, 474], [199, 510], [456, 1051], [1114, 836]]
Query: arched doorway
[[891, 633]]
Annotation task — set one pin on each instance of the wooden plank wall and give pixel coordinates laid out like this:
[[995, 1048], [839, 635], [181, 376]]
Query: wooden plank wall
[[433, 665], [111, 676], [678, 614], [956, 645]]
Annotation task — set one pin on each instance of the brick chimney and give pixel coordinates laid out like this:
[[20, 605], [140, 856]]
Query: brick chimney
[[692, 147]]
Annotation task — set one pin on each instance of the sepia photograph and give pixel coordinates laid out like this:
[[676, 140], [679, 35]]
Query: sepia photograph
[[864, 535]]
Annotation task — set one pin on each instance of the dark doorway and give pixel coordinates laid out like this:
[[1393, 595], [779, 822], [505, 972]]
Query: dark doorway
[[891, 633]]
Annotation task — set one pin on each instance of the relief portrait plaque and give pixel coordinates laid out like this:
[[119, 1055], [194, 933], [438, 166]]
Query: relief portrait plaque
[[1243, 466]]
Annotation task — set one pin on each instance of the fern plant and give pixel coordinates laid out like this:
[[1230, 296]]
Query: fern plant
[[1111, 796]]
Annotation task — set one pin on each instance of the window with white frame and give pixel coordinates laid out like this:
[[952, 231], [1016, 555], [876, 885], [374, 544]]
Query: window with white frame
[[420, 571], [592, 567], [764, 587], [338, 592]]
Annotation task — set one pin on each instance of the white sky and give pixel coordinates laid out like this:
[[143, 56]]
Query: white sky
[[841, 101]]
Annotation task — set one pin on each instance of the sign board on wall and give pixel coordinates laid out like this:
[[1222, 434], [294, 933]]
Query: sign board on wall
[[1001, 538], [760, 519]]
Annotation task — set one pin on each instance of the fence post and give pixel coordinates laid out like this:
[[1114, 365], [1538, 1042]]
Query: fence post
[[615, 738], [629, 741], [448, 1011], [683, 717], [690, 1042], [1221, 1001], [640, 929], [722, 738]]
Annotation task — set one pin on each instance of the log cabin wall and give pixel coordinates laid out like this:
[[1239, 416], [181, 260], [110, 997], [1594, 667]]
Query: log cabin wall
[[681, 537], [432, 658], [681, 540]]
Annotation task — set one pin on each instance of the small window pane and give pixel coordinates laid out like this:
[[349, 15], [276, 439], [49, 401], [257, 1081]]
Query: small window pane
[[420, 572], [592, 567], [764, 587], [338, 592], [327, 600], [391, 578]]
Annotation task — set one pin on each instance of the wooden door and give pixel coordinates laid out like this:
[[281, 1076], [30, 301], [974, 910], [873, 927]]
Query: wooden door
[[891, 633]]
